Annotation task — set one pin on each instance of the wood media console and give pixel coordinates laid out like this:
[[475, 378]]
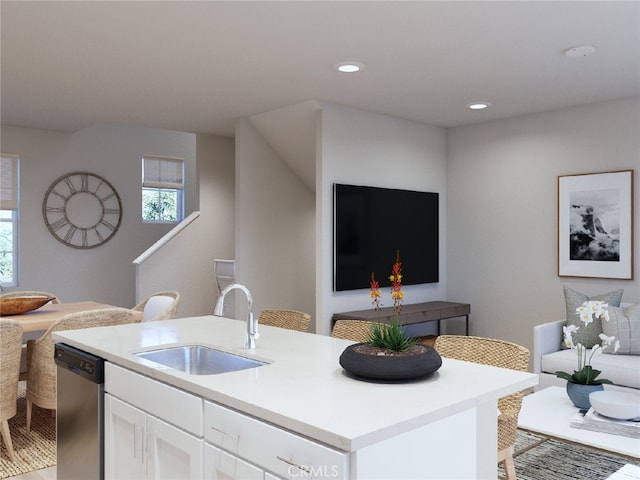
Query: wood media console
[[412, 313]]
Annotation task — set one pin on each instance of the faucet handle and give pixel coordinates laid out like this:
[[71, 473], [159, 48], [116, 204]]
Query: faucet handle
[[254, 325]]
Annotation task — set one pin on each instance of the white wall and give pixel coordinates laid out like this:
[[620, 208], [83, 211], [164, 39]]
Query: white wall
[[105, 273], [362, 148], [275, 241], [185, 263], [502, 211]]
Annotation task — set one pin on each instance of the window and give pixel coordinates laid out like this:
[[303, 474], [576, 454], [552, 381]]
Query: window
[[9, 166], [162, 189]]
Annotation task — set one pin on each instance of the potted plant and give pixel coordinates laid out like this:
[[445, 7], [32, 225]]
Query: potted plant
[[585, 379], [389, 353]]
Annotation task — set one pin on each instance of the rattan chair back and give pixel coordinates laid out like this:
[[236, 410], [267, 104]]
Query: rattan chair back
[[10, 347], [498, 353], [291, 319], [28, 335], [356, 330], [42, 370], [169, 310]]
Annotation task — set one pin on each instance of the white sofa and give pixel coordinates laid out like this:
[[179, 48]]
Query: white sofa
[[548, 358]]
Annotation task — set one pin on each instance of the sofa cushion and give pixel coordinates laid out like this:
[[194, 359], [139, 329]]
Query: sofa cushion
[[622, 370], [624, 324], [587, 335]]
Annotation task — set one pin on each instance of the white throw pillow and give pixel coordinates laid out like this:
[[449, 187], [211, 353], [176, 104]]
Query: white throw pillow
[[624, 324]]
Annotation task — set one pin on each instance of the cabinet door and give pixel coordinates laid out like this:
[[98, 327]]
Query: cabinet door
[[124, 452], [268, 476], [172, 453], [220, 465]]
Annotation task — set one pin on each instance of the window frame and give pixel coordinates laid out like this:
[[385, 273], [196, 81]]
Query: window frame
[[160, 180], [12, 205]]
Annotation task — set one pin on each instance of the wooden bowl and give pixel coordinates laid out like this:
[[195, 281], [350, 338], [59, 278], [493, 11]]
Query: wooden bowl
[[18, 305]]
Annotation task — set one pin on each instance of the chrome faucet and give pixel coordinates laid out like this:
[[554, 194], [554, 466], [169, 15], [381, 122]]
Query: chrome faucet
[[252, 325]]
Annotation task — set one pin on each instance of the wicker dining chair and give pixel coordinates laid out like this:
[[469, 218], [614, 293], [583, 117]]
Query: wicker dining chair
[[10, 346], [42, 374], [159, 306], [291, 319], [498, 353], [356, 330], [29, 335]]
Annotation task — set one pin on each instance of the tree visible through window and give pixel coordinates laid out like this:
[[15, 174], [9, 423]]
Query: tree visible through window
[[162, 189], [9, 219]]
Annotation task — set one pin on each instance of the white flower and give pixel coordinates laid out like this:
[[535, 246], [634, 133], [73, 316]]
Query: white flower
[[585, 314], [568, 335], [607, 341], [599, 310], [592, 309]]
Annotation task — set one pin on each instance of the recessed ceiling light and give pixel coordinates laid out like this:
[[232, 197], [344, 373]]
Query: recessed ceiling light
[[478, 105], [349, 67], [580, 51]]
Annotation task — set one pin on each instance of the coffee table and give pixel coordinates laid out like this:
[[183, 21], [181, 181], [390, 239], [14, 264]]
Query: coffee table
[[549, 412]]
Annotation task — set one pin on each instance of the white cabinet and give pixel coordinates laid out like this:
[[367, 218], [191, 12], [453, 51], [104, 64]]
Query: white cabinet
[[123, 440], [172, 453], [141, 446], [221, 465], [156, 431], [152, 430], [272, 449]]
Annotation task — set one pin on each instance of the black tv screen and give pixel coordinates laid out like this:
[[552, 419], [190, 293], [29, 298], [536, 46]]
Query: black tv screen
[[371, 224]]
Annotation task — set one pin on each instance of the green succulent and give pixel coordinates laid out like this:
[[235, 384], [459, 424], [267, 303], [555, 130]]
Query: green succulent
[[390, 336]]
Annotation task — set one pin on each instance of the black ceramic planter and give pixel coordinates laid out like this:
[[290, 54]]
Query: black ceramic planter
[[361, 363]]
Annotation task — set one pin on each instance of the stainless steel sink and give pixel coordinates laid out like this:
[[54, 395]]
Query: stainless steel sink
[[199, 360]]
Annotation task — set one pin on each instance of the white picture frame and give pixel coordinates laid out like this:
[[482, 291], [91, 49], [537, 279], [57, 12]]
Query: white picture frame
[[595, 225]]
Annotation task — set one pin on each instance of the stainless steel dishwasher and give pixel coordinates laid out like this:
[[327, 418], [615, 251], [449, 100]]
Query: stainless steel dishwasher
[[80, 415]]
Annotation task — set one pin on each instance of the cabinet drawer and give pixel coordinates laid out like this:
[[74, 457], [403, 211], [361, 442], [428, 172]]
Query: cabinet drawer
[[281, 452], [171, 404]]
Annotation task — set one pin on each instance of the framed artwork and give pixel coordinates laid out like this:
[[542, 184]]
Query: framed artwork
[[595, 225]]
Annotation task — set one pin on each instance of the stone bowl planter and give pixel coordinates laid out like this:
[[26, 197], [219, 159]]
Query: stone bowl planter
[[375, 363]]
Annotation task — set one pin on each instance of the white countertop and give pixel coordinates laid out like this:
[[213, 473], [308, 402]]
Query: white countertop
[[303, 389]]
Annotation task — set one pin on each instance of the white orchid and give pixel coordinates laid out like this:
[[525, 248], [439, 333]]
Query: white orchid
[[592, 309], [586, 374], [607, 341], [568, 330]]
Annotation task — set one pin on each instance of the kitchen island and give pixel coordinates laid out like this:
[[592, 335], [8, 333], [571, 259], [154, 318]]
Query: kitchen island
[[302, 398]]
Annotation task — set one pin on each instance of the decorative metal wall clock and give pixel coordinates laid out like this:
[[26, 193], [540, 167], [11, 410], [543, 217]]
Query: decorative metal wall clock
[[82, 210]]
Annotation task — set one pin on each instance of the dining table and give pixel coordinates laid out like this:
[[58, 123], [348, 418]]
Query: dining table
[[45, 316]]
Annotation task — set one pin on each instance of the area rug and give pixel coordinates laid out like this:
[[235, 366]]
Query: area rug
[[541, 458], [34, 451]]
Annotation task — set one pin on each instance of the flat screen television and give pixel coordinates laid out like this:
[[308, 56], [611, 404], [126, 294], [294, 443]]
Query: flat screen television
[[371, 224]]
